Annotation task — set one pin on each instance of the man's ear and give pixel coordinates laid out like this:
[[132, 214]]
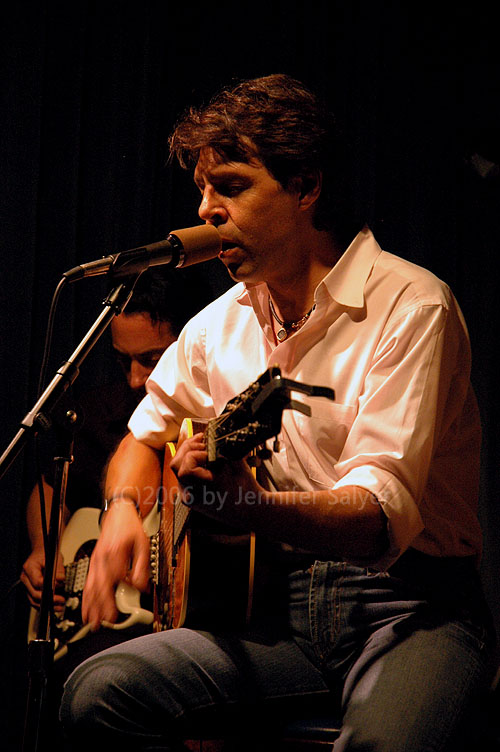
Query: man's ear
[[308, 186]]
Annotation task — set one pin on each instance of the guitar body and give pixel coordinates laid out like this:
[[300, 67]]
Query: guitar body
[[206, 570], [205, 574]]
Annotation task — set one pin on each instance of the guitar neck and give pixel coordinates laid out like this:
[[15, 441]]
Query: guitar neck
[[182, 512], [181, 518]]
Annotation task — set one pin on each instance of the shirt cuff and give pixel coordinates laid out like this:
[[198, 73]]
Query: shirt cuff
[[404, 522], [148, 426]]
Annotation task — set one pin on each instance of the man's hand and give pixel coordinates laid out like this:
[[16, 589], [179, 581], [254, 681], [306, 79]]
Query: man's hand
[[32, 578], [121, 552], [231, 480], [346, 523], [190, 463]]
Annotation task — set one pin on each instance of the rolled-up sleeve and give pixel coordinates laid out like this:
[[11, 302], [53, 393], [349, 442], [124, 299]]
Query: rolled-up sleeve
[[177, 388], [413, 392]]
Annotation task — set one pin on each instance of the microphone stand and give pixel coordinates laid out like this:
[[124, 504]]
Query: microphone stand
[[40, 651], [41, 648]]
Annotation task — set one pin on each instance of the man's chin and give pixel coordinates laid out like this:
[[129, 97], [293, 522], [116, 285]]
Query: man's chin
[[233, 271], [242, 272]]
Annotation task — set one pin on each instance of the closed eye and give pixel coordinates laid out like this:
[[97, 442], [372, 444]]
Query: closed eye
[[147, 359], [230, 189], [227, 188]]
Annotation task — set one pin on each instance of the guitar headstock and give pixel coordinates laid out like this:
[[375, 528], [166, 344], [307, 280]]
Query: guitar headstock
[[255, 415]]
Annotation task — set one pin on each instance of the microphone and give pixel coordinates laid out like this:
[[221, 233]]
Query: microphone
[[181, 248]]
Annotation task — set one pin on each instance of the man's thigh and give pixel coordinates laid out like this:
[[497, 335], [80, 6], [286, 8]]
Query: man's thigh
[[414, 688], [185, 683]]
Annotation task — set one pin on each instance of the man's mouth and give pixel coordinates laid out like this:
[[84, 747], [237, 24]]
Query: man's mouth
[[226, 247]]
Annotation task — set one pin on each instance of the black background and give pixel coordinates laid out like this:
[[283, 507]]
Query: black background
[[88, 94]]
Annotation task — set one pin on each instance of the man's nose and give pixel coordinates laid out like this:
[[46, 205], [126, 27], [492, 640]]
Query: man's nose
[[137, 375], [211, 209]]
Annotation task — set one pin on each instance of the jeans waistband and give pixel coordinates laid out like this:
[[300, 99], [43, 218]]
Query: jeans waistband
[[412, 565], [412, 562]]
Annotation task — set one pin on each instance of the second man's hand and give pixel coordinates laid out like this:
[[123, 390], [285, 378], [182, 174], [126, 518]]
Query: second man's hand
[[121, 552]]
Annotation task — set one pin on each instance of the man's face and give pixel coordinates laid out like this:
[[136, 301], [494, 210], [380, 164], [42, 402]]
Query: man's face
[[138, 344], [257, 218]]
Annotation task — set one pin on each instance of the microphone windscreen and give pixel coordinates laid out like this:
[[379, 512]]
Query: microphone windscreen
[[200, 243]]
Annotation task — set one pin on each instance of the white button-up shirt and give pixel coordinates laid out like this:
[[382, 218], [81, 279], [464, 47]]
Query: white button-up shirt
[[389, 338]]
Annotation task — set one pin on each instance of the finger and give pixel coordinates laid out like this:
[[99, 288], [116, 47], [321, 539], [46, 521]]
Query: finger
[[196, 477], [32, 572], [98, 600], [196, 458], [140, 571], [60, 572], [194, 443], [101, 606], [34, 594], [193, 468], [198, 439]]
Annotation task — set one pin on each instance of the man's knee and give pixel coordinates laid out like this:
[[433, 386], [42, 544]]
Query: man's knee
[[83, 694]]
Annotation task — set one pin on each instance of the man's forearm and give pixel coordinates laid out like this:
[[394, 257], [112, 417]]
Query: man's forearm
[[134, 474], [34, 513]]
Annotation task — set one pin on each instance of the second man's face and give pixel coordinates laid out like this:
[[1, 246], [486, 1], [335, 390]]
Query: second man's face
[[139, 344]]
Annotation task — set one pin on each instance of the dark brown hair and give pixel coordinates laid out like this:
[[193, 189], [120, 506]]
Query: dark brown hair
[[286, 126]]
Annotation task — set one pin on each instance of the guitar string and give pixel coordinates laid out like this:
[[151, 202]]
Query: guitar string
[[221, 419]]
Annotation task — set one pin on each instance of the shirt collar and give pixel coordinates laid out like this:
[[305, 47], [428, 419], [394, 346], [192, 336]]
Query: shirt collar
[[346, 281]]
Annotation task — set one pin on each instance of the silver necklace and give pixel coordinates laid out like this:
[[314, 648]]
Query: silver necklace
[[282, 332]]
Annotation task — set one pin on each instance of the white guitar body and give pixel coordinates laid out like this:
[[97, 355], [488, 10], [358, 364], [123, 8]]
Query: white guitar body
[[77, 542]]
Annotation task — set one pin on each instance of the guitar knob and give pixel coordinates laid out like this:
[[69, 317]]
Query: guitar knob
[[66, 624], [73, 603]]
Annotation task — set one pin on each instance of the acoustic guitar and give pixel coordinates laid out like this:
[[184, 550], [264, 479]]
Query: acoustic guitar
[[206, 572]]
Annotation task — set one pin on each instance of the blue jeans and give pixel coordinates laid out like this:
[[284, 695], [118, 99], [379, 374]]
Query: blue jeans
[[400, 657]]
